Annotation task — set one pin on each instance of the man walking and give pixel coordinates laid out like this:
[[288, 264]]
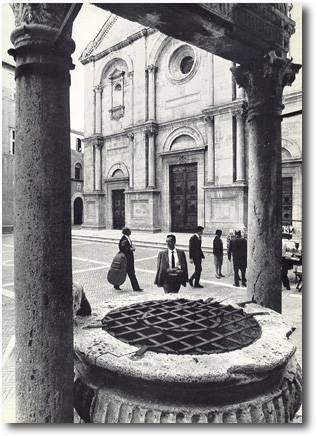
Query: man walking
[[238, 249], [218, 253], [196, 255], [172, 270], [126, 247]]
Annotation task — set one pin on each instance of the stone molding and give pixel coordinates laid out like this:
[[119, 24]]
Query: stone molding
[[264, 82], [152, 69], [182, 152], [238, 105], [279, 406], [116, 47], [117, 166], [185, 130]]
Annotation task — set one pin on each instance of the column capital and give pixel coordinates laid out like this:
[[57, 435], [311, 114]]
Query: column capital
[[264, 82], [240, 111], [208, 119], [98, 142], [98, 88], [151, 68], [42, 38], [130, 74], [130, 136]]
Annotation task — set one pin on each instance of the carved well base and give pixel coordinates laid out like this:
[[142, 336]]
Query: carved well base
[[108, 405]]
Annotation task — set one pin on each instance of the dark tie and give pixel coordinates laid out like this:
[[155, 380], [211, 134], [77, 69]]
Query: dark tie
[[173, 264]]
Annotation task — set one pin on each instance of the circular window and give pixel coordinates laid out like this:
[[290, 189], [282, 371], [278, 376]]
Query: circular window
[[186, 64], [182, 64]]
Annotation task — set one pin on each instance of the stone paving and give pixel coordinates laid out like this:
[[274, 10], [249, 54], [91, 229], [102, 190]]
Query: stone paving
[[91, 260]]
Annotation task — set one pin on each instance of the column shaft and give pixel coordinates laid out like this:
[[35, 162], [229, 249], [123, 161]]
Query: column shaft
[[98, 167], [42, 236], [152, 92], [240, 149], [264, 82], [98, 110], [210, 149], [151, 160]]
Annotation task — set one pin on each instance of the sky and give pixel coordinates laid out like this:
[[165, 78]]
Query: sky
[[86, 26]]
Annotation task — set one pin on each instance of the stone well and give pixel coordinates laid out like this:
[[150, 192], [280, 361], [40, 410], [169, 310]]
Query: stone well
[[177, 360]]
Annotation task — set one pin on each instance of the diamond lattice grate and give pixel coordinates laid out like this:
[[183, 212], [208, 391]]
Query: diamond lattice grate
[[182, 326]]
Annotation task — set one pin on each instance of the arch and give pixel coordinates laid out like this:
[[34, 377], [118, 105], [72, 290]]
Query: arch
[[118, 166], [73, 199], [161, 42], [183, 131], [110, 60], [291, 147]]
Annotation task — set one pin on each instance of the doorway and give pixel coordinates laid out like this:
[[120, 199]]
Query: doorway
[[118, 208], [78, 208], [183, 197]]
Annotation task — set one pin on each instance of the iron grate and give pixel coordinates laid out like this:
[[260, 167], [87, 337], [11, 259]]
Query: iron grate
[[182, 326]]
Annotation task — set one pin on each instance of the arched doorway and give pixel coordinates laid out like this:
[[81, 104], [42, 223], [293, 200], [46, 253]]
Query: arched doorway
[[78, 208]]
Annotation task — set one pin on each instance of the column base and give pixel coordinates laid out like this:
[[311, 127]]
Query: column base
[[94, 210], [143, 209]]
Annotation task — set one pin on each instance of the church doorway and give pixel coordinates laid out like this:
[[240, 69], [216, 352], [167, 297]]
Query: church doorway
[[183, 197], [78, 208], [118, 208]]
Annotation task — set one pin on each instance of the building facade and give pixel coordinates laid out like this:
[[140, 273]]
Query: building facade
[[166, 142], [8, 144], [8, 151]]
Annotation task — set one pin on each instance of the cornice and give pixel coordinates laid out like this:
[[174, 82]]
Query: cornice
[[129, 40], [235, 106]]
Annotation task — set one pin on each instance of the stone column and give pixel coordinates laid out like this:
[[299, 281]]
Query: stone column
[[42, 236], [264, 82], [209, 120], [151, 158], [240, 147], [151, 69], [98, 164], [98, 109]]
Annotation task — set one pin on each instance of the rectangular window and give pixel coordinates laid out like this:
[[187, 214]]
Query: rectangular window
[[78, 145], [287, 201], [12, 141]]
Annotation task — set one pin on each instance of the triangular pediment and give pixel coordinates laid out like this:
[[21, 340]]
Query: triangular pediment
[[114, 31]]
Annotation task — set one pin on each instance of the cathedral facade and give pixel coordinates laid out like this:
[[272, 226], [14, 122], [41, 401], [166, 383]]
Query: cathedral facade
[[166, 140]]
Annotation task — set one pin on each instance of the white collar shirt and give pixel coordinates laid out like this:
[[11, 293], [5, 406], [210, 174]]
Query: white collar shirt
[[129, 240], [198, 236], [176, 258]]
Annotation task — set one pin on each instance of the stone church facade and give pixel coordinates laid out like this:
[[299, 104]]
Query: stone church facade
[[165, 136]]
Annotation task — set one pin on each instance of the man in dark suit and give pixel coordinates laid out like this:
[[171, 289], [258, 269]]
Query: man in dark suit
[[238, 249], [172, 269], [126, 247], [196, 255]]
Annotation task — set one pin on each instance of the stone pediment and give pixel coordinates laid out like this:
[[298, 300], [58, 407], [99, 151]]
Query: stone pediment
[[114, 30]]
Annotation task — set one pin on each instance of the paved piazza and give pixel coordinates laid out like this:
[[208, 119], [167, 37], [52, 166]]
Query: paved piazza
[[91, 261]]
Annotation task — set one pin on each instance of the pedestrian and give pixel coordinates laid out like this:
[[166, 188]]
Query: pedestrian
[[196, 255], [286, 263], [230, 236], [172, 269], [238, 249], [218, 253], [126, 247]]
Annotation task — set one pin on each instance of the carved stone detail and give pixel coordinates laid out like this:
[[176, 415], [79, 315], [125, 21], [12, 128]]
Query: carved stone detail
[[151, 68], [264, 82], [48, 14]]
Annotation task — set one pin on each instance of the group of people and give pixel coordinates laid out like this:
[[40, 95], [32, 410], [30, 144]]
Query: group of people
[[172, 269]]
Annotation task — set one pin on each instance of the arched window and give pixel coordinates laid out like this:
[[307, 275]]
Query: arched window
[[78, 170]]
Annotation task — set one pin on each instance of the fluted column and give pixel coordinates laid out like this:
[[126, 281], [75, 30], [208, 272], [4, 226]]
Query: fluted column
[[264, 82], [151, 158], [240, 147], [98, 164], [98, 109], [209, 120], [151, 69], [42, 234]]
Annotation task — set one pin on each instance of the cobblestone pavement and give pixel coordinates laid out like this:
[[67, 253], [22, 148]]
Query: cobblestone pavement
[[91, 261]]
